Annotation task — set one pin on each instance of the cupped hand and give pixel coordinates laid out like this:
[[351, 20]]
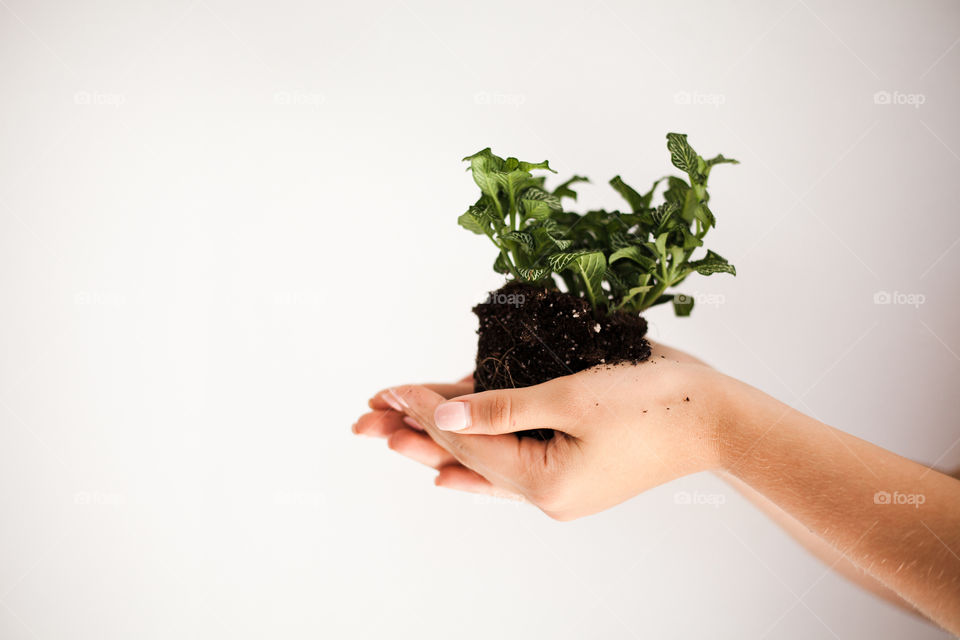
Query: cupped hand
[[619, 431]]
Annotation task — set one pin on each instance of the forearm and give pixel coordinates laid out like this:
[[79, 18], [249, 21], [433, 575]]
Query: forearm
[[835, 485], [830, 556]]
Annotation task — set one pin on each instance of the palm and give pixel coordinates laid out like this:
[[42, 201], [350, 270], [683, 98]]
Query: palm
[[409, 439]]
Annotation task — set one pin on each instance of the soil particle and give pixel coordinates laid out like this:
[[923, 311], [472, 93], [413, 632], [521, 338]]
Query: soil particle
[[519, 343]]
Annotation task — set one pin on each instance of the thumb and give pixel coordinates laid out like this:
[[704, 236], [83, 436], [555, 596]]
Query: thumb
[[506, 411]]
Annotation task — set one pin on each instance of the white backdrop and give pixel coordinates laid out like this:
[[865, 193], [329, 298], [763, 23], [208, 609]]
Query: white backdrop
[[225, 224]]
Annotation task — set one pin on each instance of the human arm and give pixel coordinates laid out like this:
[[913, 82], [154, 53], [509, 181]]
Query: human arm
[[888, 523], [626, 429]]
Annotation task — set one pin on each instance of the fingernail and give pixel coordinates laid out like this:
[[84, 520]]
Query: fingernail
[[413, 423], [452, 416], [393, 399]]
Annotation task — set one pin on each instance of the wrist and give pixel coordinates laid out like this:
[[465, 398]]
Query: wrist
[[744, 417], [729, 435], [716, 440]]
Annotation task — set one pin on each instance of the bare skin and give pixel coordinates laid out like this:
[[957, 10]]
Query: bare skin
[[625, 429]]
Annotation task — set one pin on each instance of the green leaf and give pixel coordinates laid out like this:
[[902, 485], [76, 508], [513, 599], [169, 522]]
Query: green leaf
[[721, 160], [640, 279], [688, 241], [617, 284], [636, 201], [560, 261], [648, 196], [632, 293], [548, 231], [710, 269], [475, 219], [682, 305], [636, 255], [705, 216], [530, 166], [620, 239], [485, 166], [617, 260], [533, 274], [682, 154], [676, 190], [661, 245], [521, 237], [514, 182], [662, 299], [712, 263], [564, 190], [539, 204], [663, 216], [591, 266], [536, 209], [558, 242], [500, 264], [483, 153]]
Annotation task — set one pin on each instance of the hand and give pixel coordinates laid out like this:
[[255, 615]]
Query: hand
[[620, 430], [407, 437], [624, 429]]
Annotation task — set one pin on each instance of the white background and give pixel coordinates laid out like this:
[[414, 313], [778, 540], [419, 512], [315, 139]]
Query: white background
[[225, 224]]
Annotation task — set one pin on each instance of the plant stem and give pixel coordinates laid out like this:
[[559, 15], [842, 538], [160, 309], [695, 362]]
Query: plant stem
[[651, 296], [505, 253], [509, 261]]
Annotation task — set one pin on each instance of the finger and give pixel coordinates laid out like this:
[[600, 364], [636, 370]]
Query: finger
[[460, 478], [447, 390], [496, 457], [419, 447], [547, 405], [452, 475], [378, 424], [413, 424]]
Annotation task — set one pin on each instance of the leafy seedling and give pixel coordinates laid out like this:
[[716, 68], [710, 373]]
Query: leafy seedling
[[617, 261]]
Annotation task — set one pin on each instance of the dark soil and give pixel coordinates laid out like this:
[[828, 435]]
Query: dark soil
[[529, 335]]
